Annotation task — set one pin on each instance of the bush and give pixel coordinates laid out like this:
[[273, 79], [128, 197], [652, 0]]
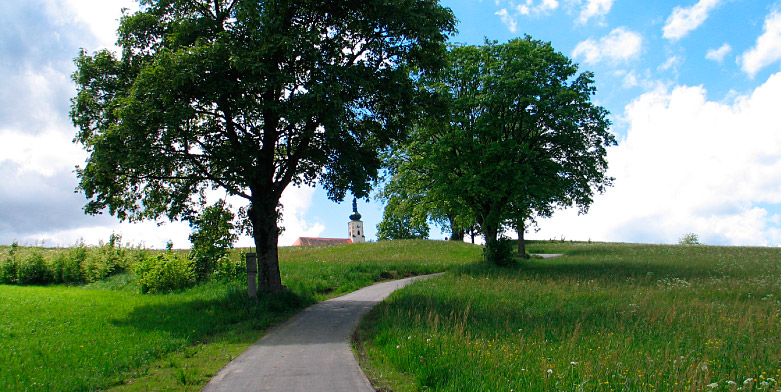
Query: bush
[[33, 270], [8, 270], [229, 270], [165, 272], [108, 259], [499, 252], [9, 266], [212, 236]]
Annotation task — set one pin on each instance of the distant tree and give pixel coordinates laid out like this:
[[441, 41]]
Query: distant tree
[[400, 221], [514, 133], [408, 202], [689, 239], [249, 96]]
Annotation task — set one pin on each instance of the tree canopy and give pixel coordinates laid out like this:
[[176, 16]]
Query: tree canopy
[[511, 131], [249, 96]]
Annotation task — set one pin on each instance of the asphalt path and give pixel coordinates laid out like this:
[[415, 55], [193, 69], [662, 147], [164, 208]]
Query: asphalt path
[[310, 352]]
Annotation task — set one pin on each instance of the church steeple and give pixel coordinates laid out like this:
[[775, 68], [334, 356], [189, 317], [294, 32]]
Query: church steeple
[[355, 216], [355, 226]]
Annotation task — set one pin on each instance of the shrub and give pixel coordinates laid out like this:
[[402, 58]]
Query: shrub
[[33, 270], [228, 269], [8, 270], [72, 266], [212, 236], [499, 252], [106, 260], [165, 272], [9, 266]]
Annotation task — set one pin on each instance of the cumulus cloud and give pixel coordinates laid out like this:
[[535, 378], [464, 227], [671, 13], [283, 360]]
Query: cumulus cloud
[[767, 49], [718, 55], [621, 44], [689, 164], [594, 9], [40, 38], [684, 20], [296, 202], [510, 15]]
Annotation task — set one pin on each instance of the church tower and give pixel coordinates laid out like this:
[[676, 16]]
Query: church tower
[[355, 227]]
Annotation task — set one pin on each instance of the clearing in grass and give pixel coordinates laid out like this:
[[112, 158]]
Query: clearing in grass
[[606, 317]]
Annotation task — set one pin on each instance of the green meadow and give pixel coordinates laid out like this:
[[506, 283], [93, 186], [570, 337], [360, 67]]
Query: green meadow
[[107, 335], [606, 317]]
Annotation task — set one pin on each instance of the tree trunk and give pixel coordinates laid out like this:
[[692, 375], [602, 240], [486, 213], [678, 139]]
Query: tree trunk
[[521, 242], [458, 235], [490, 233], [266, 233]]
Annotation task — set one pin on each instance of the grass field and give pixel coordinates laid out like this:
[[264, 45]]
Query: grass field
[[606, 317], [107, 335]]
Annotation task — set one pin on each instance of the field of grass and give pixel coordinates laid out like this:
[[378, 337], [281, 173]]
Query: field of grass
[[606, 317], [108, 335]]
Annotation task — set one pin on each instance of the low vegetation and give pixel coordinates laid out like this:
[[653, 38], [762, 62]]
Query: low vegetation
[[606, 317], [107, 334]]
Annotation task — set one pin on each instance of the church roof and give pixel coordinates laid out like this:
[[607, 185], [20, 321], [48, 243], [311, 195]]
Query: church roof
[[314, 241]]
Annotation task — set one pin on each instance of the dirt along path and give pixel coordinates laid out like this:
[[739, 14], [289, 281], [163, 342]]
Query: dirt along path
[[311, 351]]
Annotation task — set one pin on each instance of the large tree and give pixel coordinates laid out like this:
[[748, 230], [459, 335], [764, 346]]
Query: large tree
[[249, 96], [514, 132]]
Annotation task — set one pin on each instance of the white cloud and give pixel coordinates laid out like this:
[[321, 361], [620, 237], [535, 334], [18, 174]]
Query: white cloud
[[526, 8], [630, 79], [689, 164], [671, 63], [37, 156], [46, 154], [621, 44], [718, 55], [508, 20], [101, 16], [594, 8], [767, 49], [529, 7], [296, 202], [684, 20]]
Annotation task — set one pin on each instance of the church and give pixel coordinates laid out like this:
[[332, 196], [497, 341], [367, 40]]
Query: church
[[354, 230]]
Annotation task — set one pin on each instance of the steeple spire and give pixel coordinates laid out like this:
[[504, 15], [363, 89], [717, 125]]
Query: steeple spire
[[355, 215]]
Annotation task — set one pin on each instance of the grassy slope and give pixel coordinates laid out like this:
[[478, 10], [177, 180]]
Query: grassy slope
[[608, 317], [92, 337]]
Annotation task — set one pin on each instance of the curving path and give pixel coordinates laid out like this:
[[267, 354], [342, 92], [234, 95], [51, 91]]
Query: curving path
[[311, 351]]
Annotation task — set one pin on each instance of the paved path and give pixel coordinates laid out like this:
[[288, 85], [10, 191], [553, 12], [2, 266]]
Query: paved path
[[311, 351], [549, 255]]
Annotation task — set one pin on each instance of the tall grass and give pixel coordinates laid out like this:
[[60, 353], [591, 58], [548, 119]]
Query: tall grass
[[607, 317], [104, 334]]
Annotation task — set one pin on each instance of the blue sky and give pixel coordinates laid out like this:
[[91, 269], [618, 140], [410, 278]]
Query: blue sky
[[693, 87]]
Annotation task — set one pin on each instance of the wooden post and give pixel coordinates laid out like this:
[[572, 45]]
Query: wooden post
[[252, 273]]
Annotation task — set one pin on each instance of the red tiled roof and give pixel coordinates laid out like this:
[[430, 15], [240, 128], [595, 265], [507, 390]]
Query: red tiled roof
[[314, 241]]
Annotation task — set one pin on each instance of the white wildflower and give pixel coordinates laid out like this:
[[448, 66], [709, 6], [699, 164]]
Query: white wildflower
[[748, 381], [713, 385]]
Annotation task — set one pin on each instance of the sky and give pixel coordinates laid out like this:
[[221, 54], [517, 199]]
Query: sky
[[693, 88]]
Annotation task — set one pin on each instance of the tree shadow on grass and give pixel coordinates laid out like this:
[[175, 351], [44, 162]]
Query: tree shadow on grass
[[196, 320]]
